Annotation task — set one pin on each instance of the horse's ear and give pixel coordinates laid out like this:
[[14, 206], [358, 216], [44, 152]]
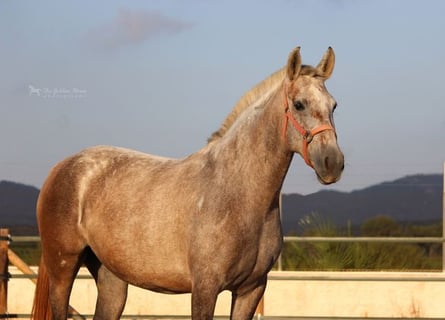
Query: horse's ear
[[326, 65], [294, 64]]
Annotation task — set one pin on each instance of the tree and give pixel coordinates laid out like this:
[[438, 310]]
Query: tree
[[381, 226]]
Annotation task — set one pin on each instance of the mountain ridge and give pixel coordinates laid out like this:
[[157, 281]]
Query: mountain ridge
[[412, 198]]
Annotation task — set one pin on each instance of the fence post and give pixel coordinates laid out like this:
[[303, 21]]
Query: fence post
[[4, 275], [443, 220]]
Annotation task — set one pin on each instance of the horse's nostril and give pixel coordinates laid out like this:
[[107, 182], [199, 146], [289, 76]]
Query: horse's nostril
[[326, 163], [331, 163]]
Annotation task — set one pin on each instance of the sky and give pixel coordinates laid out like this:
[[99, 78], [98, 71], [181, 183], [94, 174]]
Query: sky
[[161, 76]]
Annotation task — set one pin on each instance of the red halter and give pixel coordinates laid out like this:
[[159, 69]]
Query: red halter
[[307, 135]]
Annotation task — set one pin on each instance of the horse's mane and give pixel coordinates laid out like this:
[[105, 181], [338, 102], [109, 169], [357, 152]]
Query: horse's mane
[[253, 95]]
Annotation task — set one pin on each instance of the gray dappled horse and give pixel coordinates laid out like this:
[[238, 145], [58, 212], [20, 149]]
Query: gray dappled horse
[[202, 224]]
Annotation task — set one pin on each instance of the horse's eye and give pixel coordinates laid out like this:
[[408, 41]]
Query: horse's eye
[[298, 105], [335, 107]]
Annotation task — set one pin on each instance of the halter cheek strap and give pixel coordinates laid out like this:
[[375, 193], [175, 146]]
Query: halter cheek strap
[[307, 135]]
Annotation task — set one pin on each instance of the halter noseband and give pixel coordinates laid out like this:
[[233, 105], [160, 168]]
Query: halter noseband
[[307, 135]]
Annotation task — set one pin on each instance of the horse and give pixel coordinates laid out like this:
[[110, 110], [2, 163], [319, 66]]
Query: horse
[[202, 224]]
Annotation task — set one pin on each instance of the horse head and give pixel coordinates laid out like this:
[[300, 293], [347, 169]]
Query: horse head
[[309, 108]]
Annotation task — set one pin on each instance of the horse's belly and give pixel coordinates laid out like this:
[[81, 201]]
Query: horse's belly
[[163, 283], [160, 279], [159, 266]]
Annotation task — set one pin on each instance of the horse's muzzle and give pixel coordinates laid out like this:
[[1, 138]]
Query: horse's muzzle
[[329, 166]]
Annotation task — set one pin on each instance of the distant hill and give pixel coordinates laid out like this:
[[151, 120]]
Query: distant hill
[[18, 207], [416, 198]]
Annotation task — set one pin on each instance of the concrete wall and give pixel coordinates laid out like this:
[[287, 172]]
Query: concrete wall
[[334, 294]]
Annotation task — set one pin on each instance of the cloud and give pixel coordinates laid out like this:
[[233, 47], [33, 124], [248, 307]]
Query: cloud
[[131, 27]]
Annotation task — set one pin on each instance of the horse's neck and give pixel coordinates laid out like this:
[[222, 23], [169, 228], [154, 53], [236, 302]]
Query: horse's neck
[[253, 153]]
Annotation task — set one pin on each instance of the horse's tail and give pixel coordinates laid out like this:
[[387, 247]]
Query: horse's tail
[[41, 309]]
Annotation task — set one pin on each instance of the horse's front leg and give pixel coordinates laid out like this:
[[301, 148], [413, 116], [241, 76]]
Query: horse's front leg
[[244, 305], [203, 302]]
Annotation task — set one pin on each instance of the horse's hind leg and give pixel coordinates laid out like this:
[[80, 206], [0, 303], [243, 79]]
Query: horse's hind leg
[[111, 291], [112, 295], [62, 270]]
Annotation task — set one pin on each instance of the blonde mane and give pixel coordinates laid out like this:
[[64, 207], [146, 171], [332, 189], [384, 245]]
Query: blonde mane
[[253, 96], [246, 100]]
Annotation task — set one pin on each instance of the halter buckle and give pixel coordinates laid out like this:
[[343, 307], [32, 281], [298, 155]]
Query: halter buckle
[[308, 136]]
